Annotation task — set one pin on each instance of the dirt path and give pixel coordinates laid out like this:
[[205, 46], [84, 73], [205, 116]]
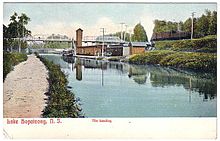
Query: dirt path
[[24, 89]]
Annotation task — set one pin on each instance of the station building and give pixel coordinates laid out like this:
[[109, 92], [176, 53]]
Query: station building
[[113, 46]]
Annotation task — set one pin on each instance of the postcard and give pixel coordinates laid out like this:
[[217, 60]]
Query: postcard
[[127, 70]]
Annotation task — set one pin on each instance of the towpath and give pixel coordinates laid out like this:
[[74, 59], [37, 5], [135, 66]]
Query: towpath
[[24, 88]]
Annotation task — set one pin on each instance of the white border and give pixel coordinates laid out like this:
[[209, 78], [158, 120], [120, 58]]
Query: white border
[[69, 121]]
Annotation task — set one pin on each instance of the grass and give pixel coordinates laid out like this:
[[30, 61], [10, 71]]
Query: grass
[[206, 44], [10, 60], [61, 101], [204, 62], [116, 59]]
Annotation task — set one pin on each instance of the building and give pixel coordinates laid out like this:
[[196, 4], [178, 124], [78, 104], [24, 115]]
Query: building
[[113, 46]]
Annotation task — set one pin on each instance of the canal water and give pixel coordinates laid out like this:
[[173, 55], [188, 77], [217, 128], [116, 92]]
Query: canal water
[[112, 89]]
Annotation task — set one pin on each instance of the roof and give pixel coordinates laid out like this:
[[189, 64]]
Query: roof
[[108, 38], [79, 29]]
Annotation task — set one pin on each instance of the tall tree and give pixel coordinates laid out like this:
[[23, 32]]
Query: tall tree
[[213, 24], [202, 26], [140, 33], [16, 27]]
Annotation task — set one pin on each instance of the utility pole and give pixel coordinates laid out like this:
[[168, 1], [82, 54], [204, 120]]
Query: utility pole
[[103, 35], [193, 13], [122, 30], [130, 34], [125, 31]]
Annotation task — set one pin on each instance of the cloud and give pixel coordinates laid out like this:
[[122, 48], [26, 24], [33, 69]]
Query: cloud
[[70, 28], [93, 29], [56, 28]]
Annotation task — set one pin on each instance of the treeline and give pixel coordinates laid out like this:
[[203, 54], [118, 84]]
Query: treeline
[[14, 30], [203, 25], [139, 34]]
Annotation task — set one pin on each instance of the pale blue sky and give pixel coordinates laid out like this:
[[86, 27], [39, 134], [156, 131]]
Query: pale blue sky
[[65, 18]]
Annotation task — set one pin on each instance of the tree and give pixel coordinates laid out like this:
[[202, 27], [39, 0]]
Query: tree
[[213, 24], [202, 26], [16, 29], [187, 25], [140, 33]]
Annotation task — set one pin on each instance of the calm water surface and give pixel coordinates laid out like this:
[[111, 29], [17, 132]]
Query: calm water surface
[[110, 89]]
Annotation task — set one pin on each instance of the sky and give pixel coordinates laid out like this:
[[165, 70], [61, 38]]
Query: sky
[[66, 18]]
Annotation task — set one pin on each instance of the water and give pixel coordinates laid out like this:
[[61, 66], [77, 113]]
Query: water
[[110, 89]]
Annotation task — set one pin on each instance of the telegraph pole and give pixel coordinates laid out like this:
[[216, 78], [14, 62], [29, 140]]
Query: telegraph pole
[[103, 34], [125, 31], [130, 34], [193, 13]]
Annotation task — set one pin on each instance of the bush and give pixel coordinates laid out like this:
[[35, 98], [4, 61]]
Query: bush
[[116, 59], [61, 101], [10, 60], [206, 62], [207, 44], [194, 61], [152, 57]]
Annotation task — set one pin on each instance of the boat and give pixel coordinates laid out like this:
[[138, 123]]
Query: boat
[[68, 52]]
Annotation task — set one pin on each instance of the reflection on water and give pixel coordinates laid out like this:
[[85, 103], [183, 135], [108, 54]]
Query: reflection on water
[[78, 67], [111, 89]]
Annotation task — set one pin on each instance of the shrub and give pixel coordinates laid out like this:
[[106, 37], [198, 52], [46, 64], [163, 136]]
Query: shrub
[[114, 59], [207, 44], [152, 57], [206, 62], [10, 60], [61, 101]]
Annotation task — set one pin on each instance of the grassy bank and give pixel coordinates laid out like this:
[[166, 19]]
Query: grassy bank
[[61, 101], [10, 60], [207, 44], [204, 62]]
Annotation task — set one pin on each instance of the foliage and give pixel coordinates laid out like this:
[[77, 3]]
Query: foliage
[[114, 59], [203, 25], [206, 62], [205, 44], [10, 60], [164, 26], [213, 24], [140, 33], [57, 45], [16, 28], [10, 44], [61, 101], [151, 57]]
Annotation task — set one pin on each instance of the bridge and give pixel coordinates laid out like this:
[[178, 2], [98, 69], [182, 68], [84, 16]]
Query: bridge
[[99, 39]]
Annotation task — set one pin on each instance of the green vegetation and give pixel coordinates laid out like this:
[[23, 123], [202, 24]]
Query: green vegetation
[[57, 45], [114, 59], [15, 29], [204, 62], [10, 60], [205, 44], [138, 36], [203, 26], [140, 33], [61, 101]]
